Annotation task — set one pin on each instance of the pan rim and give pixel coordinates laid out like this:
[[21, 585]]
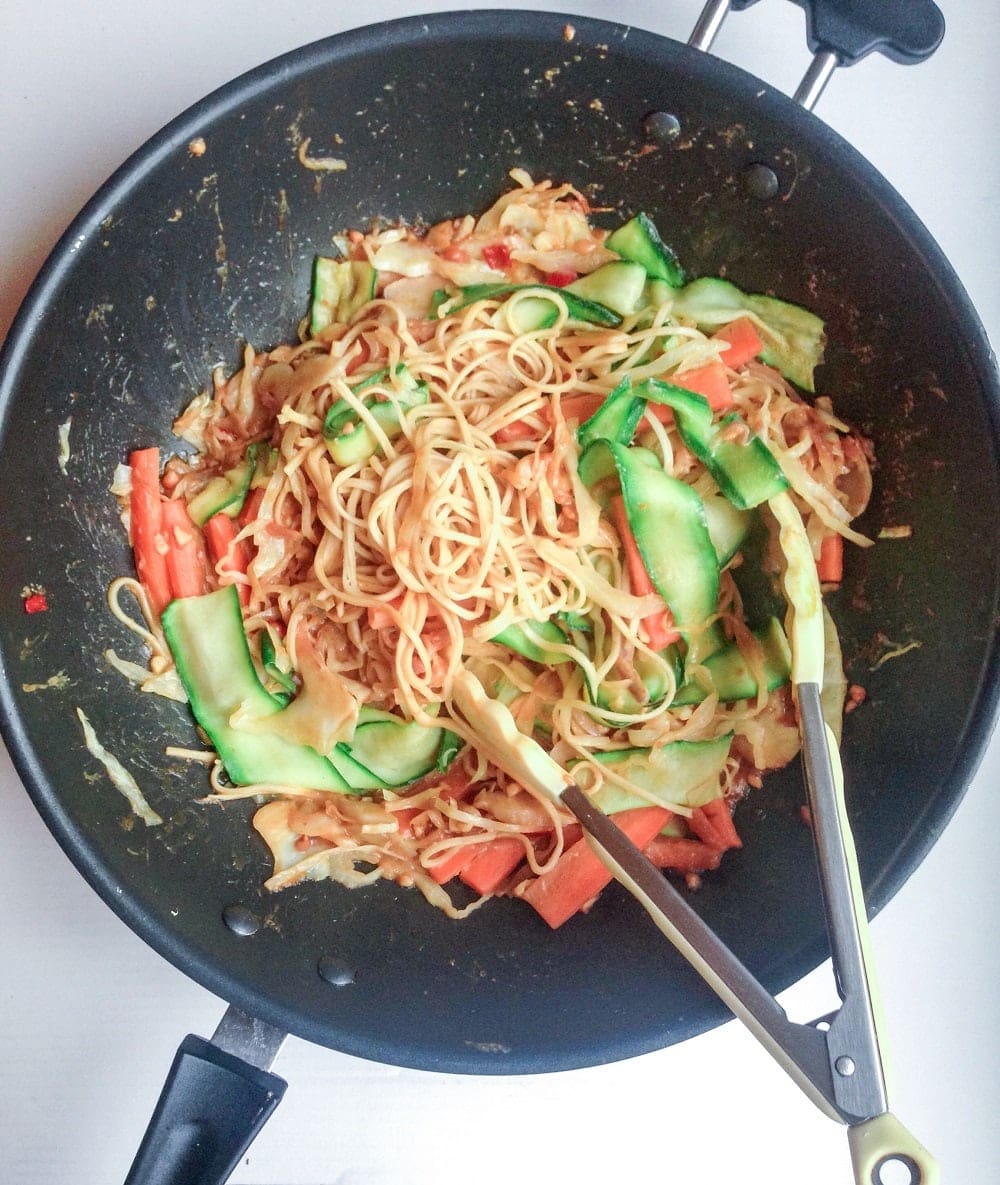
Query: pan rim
[[927, 826]]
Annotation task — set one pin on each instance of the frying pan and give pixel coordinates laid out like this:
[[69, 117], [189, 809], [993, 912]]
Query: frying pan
[[859, 273]]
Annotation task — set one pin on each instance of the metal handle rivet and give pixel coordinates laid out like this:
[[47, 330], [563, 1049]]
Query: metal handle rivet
[[761, 182], [241, 920], [845, 1065], [335, 971], [662, 126]]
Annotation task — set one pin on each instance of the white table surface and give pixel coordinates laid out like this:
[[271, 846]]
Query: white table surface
[[90, 1017]]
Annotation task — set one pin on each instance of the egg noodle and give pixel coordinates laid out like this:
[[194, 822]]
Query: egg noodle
[[373, 583]]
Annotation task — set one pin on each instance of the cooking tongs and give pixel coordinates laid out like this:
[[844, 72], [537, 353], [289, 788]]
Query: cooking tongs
[[838, 1059]]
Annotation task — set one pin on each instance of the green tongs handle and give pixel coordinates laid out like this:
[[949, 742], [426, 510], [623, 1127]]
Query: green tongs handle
[[855, 1040]]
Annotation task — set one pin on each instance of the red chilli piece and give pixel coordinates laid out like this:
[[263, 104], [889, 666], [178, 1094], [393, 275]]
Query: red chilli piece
[[497, 256], [560, 279], [36, 603]]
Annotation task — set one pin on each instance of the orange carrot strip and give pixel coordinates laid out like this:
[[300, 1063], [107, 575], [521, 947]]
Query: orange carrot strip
[[453, 863], [580, 407], [251, 506], [709, 380], [147, 540], [187, 563], [579, 874], [380, 616], [435, 640], [637, 575], [454, 786], [830, 565], [226, 553], [404, 818], [572, 833], [658, 626], [359, 357], [713, 823], [721, 816], [492, 864], [658, 411], [497, 859], [659, 629], [683, 855], [744, 342], [515, 430], [703, 828]]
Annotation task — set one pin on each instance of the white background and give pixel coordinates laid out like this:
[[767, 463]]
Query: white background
[[89, 1017]]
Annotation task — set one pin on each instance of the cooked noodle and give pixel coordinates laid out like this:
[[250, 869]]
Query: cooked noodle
[[398, 570]]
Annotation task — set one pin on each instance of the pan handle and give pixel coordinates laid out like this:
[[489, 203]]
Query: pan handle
[[211, 1108], [842, 32]]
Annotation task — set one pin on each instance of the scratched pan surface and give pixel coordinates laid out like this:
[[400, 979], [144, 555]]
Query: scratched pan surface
[[182, 257]]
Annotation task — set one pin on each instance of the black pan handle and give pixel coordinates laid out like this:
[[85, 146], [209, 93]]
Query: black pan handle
[[211, 1107], [842, 32], [907, 31]]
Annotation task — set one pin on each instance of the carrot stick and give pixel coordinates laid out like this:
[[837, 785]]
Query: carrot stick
[[721, 816], [453, 862], [381, 616], [187, 564], [709, 380], [572, 833], [683, 855], [580, 407], [501, 856], [744, 342], [830, 565], [455, 785], [515, 430], [226, 553], [579, 874], [713, 823], [251, 506], [637, 575], [404, 818], [148, 544], [703, 828], [658, 626], [660, 631], [492, 864], [360, 356]]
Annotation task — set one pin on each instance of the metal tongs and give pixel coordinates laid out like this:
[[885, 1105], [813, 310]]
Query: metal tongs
[[838, 1060]]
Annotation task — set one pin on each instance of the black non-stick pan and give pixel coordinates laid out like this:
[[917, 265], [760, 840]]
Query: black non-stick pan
[[181, 257]]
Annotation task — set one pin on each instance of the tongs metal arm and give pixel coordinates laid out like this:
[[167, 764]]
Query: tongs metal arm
[[839, 1066], [801, 1049], [857, 1064], [811, 1056]]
